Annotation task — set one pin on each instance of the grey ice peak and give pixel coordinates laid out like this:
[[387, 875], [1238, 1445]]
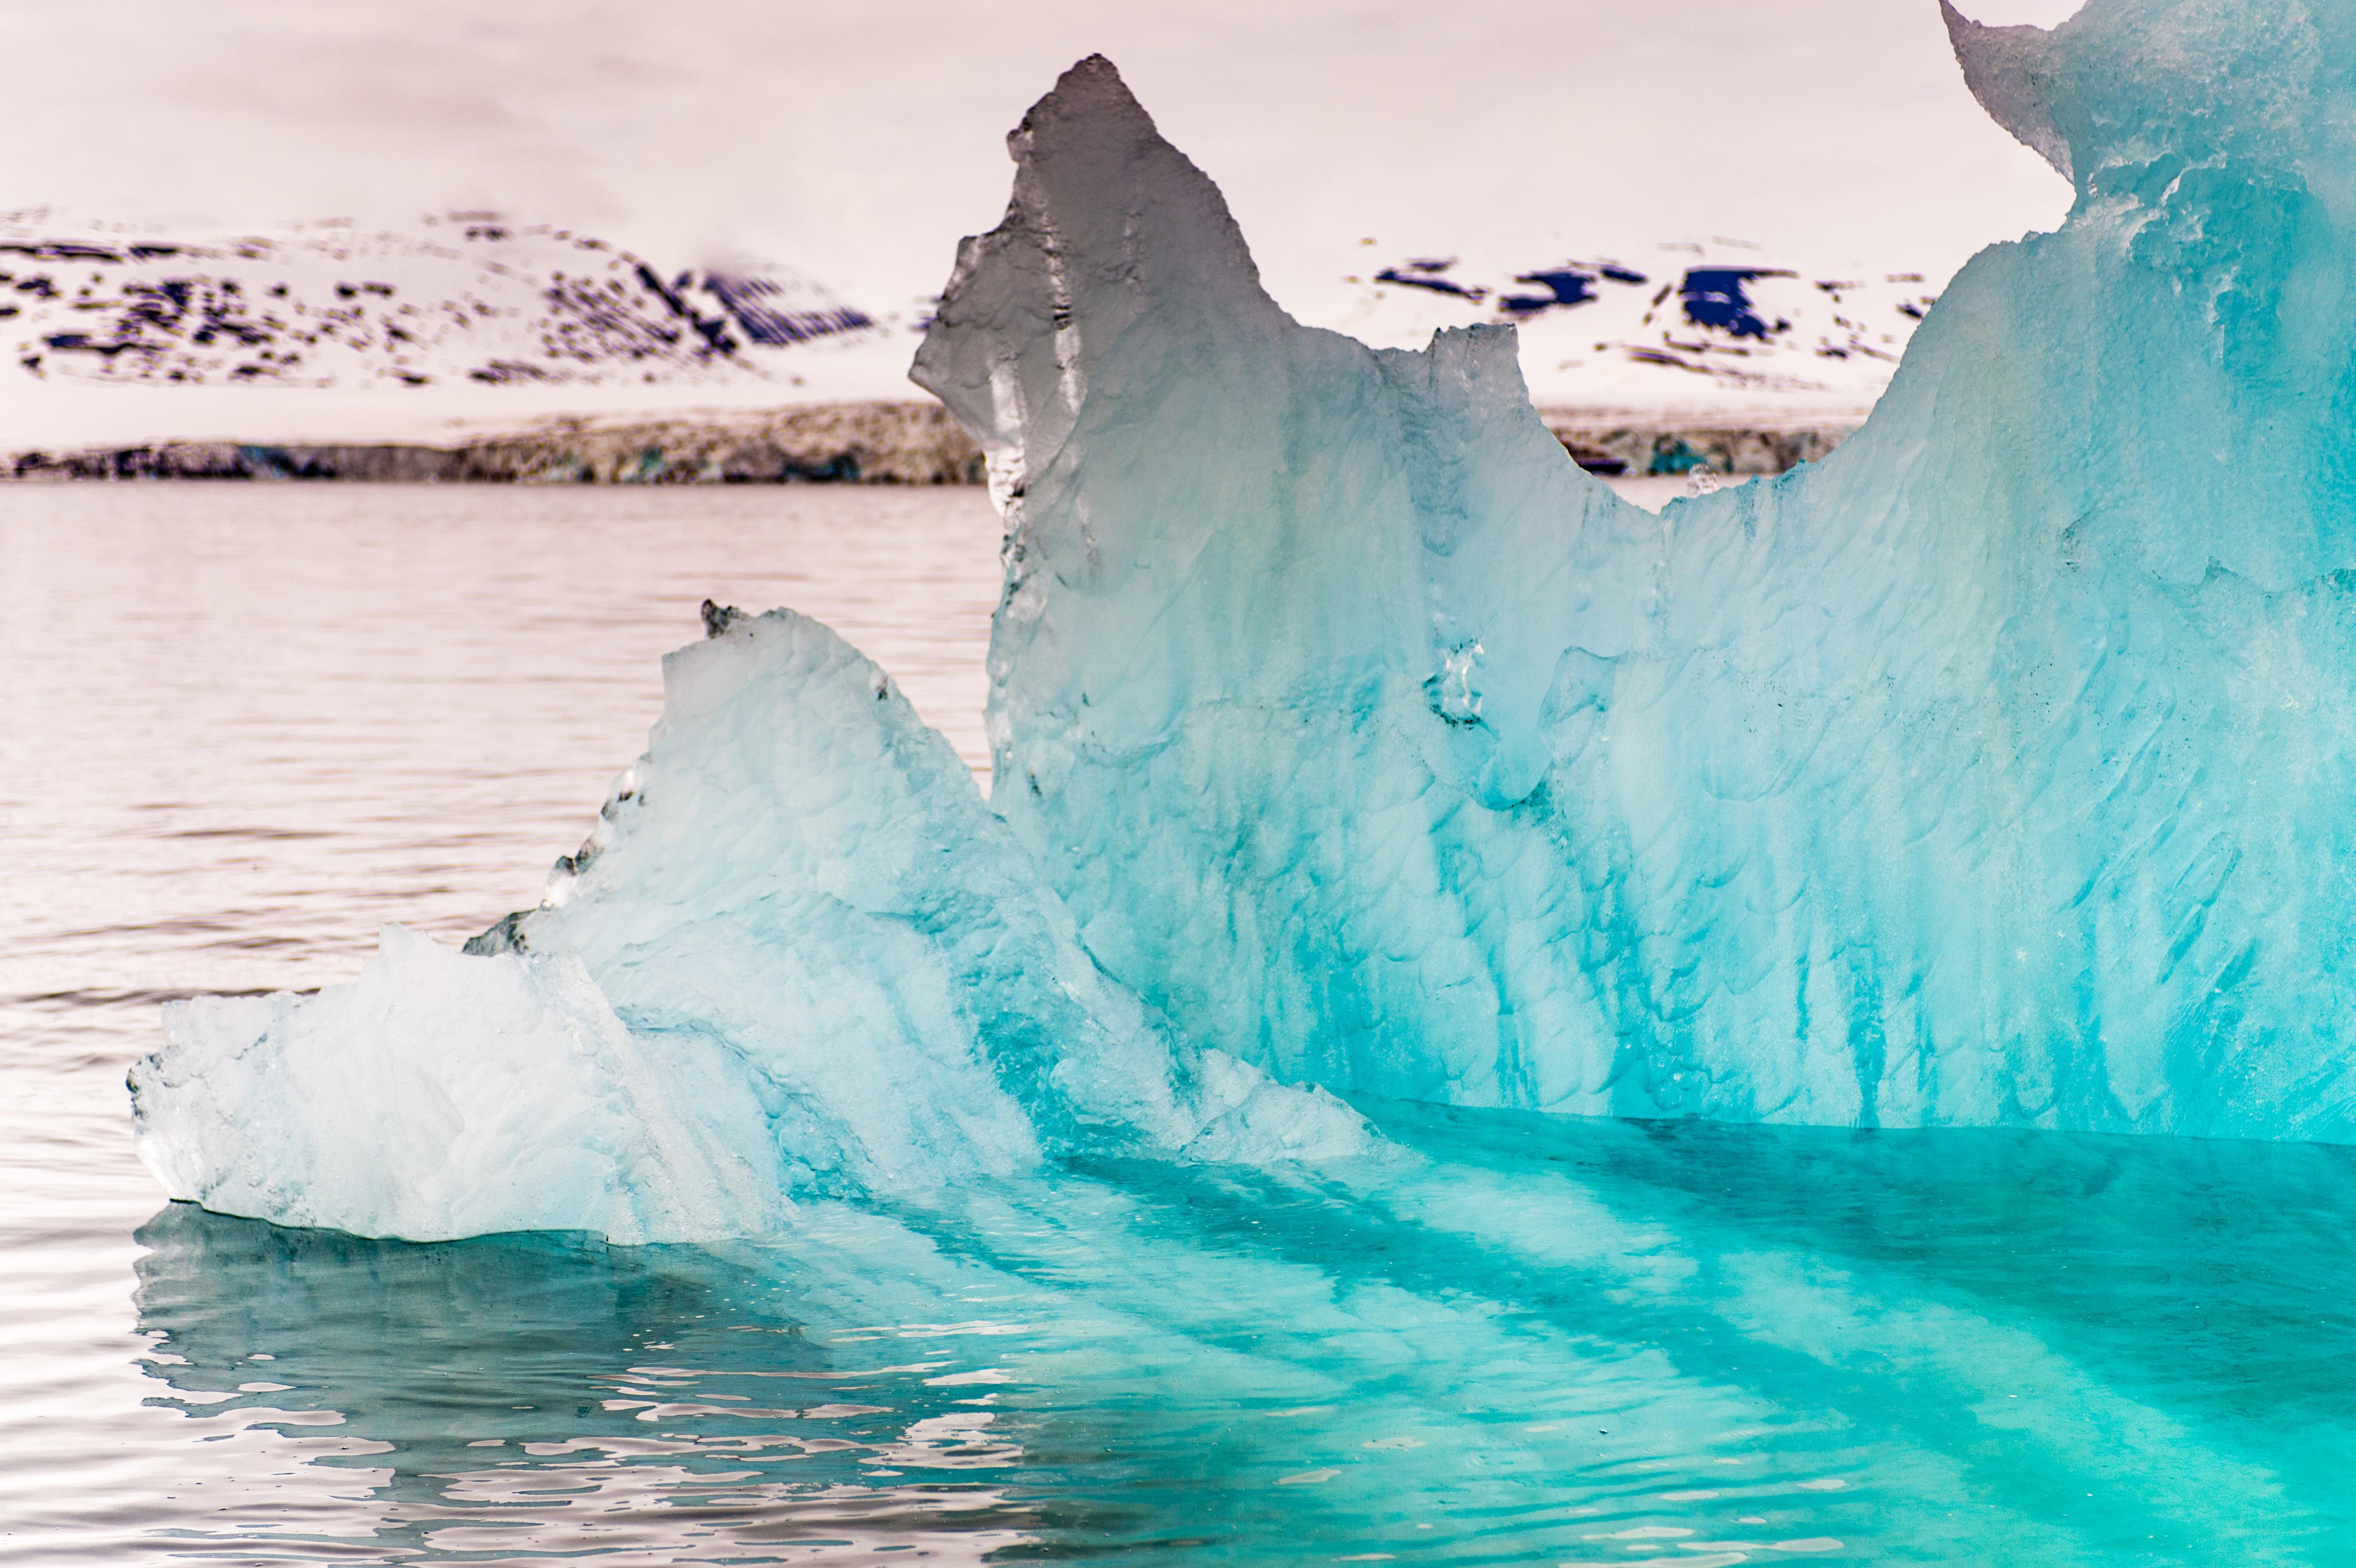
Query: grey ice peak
[[2008, 69], [1108, 224]]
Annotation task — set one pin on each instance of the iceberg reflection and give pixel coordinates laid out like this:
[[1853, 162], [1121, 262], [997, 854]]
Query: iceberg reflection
[[1528, 1334]]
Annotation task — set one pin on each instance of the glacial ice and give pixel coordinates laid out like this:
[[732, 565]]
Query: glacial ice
[[1994, 770], [442, 1096], [798, 956]]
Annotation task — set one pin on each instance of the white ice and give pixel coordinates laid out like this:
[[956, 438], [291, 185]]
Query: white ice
[[799, 955]]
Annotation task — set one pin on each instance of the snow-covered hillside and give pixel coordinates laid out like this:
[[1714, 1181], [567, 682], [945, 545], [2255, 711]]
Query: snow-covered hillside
[[1696, 326], [470, 298], [471, 324]]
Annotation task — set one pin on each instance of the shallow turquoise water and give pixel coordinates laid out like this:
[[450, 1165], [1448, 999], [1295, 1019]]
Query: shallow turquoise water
[[1529, 1340], [243, 725]]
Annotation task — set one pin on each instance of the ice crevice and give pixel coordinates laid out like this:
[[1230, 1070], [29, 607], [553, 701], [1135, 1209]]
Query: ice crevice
[[1992, 769]]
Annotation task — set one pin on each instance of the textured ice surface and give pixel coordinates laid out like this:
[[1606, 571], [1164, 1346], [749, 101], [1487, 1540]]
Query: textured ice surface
[[1994, 770], [443, 1096], [799, 955]]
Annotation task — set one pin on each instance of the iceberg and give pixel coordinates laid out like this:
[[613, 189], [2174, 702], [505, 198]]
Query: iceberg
[[798, 956], [440, 1095], [1993, 771]]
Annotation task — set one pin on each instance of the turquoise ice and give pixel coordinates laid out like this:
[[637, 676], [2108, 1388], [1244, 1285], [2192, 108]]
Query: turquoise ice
[[1995, 771], [1536, 1339]]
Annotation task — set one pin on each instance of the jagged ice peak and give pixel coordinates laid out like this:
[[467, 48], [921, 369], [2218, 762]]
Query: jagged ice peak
[[1346, 737]]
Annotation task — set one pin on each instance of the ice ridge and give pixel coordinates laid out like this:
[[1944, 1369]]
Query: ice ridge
[[1992, 769], [797, 956]]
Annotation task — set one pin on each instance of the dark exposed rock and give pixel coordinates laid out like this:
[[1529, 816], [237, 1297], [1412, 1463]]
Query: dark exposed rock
[[872, 443], [1635, 446], [875, 444], [222, 460], [865, 444]]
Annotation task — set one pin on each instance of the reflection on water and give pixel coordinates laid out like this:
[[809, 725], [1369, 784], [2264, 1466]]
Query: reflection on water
[[546, 1394], [243, 725], [1522, 1339]]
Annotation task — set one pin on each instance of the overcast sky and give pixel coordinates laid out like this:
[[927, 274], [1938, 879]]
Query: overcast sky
[[857, 141]]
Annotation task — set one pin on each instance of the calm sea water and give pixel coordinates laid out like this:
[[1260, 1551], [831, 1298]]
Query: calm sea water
[[242, 726]]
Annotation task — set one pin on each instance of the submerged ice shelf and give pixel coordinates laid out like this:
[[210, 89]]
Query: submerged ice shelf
[[1994, 770], [1534, 1339]]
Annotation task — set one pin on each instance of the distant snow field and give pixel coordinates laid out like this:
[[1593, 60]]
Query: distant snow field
[[472, 323], [1711, 328]]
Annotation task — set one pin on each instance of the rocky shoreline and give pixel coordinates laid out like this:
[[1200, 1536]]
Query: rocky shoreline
[[862, 443]]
